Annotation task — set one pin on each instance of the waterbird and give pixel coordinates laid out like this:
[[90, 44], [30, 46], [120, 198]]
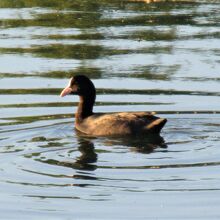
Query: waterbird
[[108, 124]]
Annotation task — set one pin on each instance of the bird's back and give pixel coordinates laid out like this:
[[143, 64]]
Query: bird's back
[[125, 123]]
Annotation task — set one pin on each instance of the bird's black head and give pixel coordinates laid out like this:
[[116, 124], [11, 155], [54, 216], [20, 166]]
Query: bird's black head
[[80, 85]]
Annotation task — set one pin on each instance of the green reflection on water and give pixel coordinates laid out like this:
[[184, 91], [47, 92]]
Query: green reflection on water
[[94, 20], [84, 14], [81, 51], [94, 73], [92, 5], [83, 36]]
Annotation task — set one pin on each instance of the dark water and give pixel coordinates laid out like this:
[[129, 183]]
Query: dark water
[[160, 57]]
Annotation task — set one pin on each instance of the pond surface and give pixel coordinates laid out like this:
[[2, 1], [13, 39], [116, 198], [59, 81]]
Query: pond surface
[[141, 56]]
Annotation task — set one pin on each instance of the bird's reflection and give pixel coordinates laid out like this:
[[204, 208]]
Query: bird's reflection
[[84, 162], [142, 144], [88, 158]]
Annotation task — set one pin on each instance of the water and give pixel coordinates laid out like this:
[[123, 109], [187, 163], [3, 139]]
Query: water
[[161, 57]]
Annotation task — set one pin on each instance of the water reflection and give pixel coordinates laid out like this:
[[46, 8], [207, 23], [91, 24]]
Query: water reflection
[[88, 155], [88, 159], [146, 144], [142, 144], [162, 56], [84, 162]]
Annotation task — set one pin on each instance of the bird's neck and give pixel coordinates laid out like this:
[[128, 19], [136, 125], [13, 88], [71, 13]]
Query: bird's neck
[[85, 108]]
